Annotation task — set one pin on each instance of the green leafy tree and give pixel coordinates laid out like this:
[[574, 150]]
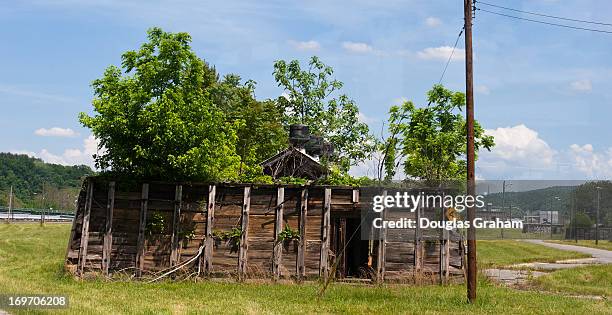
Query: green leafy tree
[[261, 135], [581, 220], [155, 118], [430, 142], [312, 99]]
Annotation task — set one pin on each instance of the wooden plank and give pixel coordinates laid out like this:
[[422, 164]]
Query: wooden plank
[[418, 252], [140, 248], [176, 218], [303, 210], [277, 254], [342, 247], [210, 221], [380, 257], [444, 260], [85, 228], [325, 235], [244, 244], [108, 232]]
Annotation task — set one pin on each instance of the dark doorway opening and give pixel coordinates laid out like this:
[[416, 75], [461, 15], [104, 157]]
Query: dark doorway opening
[[356, 251]]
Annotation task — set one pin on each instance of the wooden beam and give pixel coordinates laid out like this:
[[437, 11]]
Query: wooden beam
[[140, 246], [418, 248], [342, 247], [444, 250], [244, 238], [210, 223], [380, 257], [277, 254], [85, 228], [176, 224], [325, 235], [300, 266], [108, 232], [355, 198]]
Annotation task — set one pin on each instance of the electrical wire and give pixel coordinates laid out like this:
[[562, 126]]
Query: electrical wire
[[547, 23], [451, 55], [541, 14]]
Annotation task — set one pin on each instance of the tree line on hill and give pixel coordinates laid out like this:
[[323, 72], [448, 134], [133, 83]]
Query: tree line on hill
[[579, 202], [37, 184]]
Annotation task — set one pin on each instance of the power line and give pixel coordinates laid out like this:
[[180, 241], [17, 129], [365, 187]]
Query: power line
[[547, 23], [451, 56], [543, 15]]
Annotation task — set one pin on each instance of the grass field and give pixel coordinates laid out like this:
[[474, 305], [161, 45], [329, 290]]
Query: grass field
[[506, 252], [31, 262], [512, 234], [594, 280], [605, 244]]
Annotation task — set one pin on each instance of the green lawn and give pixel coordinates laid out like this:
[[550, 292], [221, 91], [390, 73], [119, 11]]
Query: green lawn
[[593, 280], [605, 244], [512, 234], [31, 262], [507, 252]]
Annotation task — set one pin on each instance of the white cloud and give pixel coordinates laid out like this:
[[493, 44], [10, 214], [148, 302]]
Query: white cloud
[[367, 119], [591, 163], [518, 151], [433, 21], [71, 156], [482, 89], [55, 132], [356, 47], [441, 53], [310, 45], [581, 85]]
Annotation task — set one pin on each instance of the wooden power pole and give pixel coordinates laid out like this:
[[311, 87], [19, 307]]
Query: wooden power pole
[[471, 180], [9, 216]]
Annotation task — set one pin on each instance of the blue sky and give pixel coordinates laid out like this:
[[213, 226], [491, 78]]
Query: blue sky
[[544, 92]]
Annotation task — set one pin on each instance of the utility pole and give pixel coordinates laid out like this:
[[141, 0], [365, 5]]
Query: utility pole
[[597, 217], [44, 204], [574, 215], [471, 179], [503, 204], [9, 217]]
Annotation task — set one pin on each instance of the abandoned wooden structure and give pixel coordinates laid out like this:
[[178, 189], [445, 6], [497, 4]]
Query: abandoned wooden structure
[[240, 230], [292, 162]]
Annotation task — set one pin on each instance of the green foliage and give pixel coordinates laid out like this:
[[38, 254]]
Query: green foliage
[[581, 220], [288, 234], [261, 133], [290, 180], [586, 199], [28, 175], [429, 142], [311, 101], [166, 115], [155, 224], [335, 177], [232, 238], [186, 234]]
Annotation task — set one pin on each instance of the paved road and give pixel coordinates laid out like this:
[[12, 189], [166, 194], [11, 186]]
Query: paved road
[[601, 256]]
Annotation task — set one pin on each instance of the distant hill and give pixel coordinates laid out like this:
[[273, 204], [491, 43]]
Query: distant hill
[[582, 198], [28, 175], [534, 200]]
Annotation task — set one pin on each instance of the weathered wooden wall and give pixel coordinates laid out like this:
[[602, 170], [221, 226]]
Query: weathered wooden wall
[[112, 232]]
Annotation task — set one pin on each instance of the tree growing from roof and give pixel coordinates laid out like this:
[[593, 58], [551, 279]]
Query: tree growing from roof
[[429, 143], [314, 99], [165, 114], [261, 135]]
